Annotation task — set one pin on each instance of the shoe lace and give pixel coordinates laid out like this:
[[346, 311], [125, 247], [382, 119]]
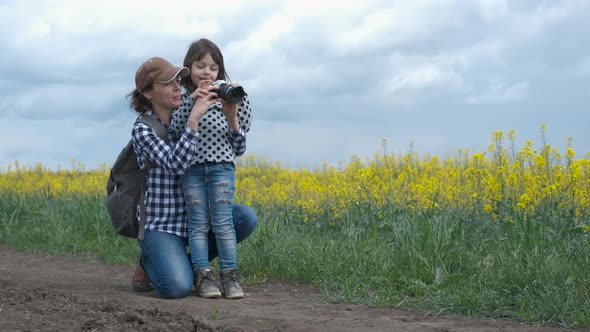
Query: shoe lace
[[231, 279], [207, 278]]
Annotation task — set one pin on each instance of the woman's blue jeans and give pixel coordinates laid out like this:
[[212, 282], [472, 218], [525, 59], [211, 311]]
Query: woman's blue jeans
[[167, 263], [208, 190]]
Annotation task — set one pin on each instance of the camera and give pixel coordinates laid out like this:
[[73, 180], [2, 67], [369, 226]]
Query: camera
[[230, 93]]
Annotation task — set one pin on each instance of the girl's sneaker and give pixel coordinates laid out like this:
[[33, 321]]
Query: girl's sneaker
[[205, 283], [230, 288]]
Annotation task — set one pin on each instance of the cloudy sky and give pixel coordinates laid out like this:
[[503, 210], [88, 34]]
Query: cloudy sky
[[327, 79]]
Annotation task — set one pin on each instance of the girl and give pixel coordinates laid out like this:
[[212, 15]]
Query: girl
[[208, 185]]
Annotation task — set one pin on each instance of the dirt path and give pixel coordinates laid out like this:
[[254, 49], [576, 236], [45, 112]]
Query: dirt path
[[40, 292]]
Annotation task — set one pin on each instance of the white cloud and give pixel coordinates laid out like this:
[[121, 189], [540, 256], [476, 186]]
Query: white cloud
[[67, 20], [493, 9], [342, 74], [482, 53], [402, 22], [583, 67], [58, 141], [298, 143], [424, 77], [497, 92], [263, 37], [64, 101]]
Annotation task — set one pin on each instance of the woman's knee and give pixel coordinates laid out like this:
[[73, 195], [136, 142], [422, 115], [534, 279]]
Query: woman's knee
[[245, 221], [176, 288]]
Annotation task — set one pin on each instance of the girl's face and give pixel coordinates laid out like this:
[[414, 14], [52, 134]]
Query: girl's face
[[165, 96], [204, 69]]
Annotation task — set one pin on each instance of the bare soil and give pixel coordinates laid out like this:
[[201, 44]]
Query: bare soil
[[42, 292]]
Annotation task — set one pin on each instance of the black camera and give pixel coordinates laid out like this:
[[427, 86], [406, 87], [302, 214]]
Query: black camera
[[230, 93]]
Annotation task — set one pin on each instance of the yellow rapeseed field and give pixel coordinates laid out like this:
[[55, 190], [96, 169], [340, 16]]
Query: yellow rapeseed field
[[498, 183]]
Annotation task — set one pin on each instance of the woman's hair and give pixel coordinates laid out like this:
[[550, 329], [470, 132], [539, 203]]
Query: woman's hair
[[197, 51], [138, 102]]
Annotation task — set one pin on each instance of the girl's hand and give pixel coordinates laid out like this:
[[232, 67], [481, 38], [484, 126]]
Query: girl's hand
[[203, 89], [231, 112], [205, 96]]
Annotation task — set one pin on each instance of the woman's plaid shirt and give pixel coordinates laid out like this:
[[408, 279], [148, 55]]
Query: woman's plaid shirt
[[164, 202]]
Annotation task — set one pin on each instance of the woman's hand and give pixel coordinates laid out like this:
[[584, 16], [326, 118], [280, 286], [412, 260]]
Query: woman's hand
[[204, 96]]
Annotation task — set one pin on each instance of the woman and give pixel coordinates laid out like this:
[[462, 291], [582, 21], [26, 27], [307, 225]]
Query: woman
[[164, 258]]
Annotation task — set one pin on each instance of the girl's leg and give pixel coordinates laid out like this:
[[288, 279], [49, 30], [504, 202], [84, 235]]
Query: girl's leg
[[221, 196], [194, 188], [166, 262], [245, 221]]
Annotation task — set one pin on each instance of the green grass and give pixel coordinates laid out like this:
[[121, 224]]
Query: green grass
[[532, 270], [77, 225]]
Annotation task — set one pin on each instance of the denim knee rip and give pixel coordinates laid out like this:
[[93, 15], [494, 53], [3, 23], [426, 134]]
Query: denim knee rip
[[225, 189], [191, 193]]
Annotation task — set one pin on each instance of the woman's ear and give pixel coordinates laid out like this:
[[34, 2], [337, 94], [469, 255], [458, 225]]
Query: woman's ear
[[147, 95]]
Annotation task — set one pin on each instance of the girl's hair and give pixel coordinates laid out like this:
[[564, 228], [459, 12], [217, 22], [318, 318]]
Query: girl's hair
[[138, 102], [197, 51]]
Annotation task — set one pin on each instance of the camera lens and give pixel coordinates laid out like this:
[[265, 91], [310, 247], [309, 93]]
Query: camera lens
[[230, 93]]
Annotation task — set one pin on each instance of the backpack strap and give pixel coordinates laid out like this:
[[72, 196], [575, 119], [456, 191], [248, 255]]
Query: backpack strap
[[141, 229], [161, 131], [155, 124], [163, 134]]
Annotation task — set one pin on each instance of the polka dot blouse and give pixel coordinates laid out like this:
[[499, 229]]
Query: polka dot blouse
[[216, 142]]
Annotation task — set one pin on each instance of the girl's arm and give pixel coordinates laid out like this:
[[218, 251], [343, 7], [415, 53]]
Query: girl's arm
[[237, 136], [244, 114]]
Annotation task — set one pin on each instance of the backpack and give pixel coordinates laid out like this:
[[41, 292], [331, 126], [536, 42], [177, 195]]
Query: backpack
[[126, 186]]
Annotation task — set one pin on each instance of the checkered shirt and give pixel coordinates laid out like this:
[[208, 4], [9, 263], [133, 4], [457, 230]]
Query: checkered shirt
[[164, 202]]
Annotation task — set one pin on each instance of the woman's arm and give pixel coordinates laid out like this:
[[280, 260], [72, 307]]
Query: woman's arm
[[174, 159], [237, 139]]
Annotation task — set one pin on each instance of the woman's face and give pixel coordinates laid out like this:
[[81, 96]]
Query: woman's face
[[204, 69], [165, 96]]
